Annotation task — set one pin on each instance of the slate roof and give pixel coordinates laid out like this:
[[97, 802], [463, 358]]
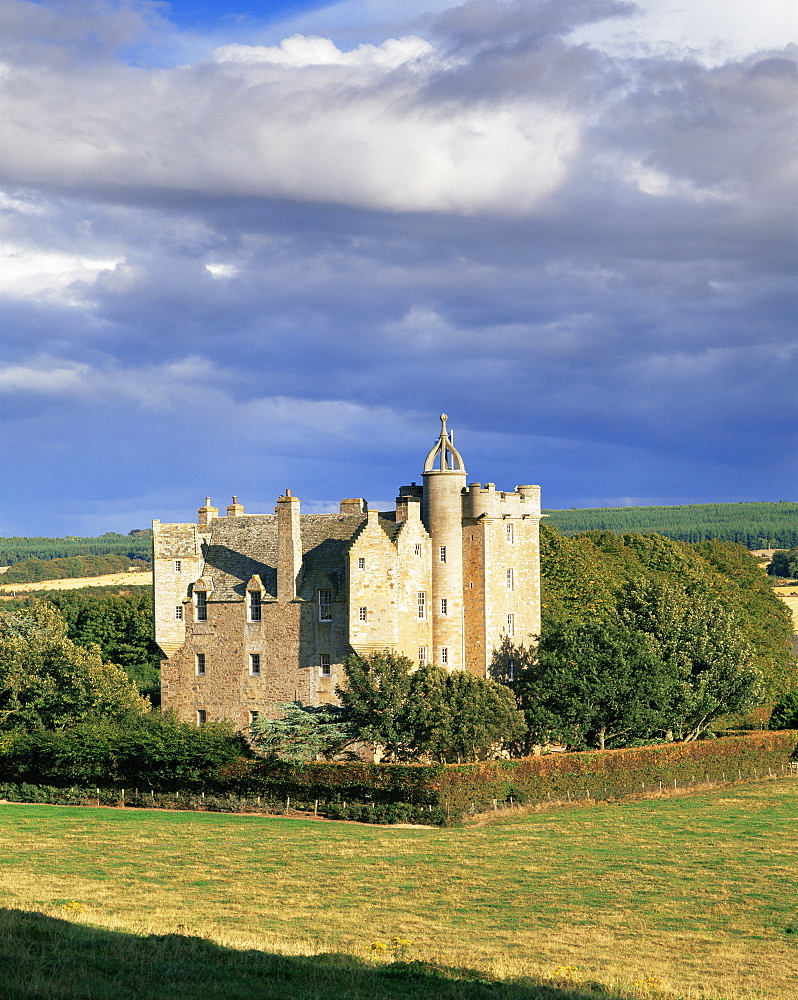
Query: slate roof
[[242, 546]]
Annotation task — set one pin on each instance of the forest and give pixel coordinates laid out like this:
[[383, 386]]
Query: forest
[[137, 544], [754, 525]]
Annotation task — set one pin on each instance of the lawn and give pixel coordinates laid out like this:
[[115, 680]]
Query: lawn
[[690, 896]]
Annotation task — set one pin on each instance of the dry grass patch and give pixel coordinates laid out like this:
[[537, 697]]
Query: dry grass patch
[[695, 894]]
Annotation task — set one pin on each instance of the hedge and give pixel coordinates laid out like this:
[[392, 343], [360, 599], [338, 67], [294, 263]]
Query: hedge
[[438, 794]]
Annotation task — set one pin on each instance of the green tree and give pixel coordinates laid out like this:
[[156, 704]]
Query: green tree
[[427, 713], [303, 733], [122, 626], [704, 648], [374, 696], [785, 714], [588, 684], [47, 681], [784, 564]]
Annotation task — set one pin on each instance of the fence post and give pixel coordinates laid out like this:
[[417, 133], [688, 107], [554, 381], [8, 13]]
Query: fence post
[[568, 793], [495, 807], [288, 803], [674, 784], [315, 806], [660, 787]]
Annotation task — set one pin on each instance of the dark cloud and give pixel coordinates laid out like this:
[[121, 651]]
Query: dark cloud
[[585, 259]]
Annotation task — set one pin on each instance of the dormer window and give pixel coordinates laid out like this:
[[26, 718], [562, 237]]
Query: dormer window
[[255, 605], [325, 605], [202, 606]]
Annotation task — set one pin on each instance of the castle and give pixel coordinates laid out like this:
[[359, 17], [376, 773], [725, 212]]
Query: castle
[[253, 609]]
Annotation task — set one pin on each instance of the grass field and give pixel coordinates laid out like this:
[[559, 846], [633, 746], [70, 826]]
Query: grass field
[[691, 896]]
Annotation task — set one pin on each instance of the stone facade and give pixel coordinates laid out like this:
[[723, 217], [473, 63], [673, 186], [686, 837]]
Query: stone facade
[[253, 609]]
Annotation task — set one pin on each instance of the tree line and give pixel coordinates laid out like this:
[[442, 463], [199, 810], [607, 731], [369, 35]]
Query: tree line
[[71, 568], [135, 545], [754, 525]]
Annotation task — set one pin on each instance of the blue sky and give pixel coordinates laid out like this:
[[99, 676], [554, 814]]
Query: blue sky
[[257, 248]]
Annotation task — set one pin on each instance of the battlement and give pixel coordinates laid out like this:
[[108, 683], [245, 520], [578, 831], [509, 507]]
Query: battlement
[[487, 501]]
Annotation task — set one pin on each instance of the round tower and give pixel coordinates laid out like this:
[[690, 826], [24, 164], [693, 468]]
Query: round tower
[[442, 514]]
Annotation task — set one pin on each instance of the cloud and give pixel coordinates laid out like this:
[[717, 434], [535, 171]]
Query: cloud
[[275, 264]]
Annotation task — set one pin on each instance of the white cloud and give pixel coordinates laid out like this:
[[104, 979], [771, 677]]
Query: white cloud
[[62, 378], [311, 50], [304, 120], [31, 273]]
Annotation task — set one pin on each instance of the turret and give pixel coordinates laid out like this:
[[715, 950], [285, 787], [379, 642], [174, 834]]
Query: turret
[[442, 514]]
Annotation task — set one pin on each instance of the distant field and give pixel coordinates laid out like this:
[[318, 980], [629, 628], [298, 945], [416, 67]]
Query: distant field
[[790, 597], [142, 578], [688, 897]]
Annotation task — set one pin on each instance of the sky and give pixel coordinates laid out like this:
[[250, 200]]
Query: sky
[[252, 248]]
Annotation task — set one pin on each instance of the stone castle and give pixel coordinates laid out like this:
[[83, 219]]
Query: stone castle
[[253, 609]]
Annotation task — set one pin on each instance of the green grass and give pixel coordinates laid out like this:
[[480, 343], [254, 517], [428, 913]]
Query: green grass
[[694, 895]]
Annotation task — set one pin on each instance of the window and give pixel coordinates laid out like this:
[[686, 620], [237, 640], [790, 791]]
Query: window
[[444, 606], [418, 549], [510, 624], [362, 614], [253, 716], [178, 565], [324, 664], [422, 604], [202, 717], [510, 532], [199, 661], [178, 612], [510, 580], [361, 562], [202, 606], [254, 664], [442, 552], [325, 605], [422, 656], [444, 654], [255, 605], [511, 670]]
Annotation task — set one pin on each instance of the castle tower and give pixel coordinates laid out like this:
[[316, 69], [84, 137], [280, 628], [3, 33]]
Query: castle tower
[[442, 514]]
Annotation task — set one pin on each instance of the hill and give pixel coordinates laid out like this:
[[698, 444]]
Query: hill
[[754, 525], [136, 545]]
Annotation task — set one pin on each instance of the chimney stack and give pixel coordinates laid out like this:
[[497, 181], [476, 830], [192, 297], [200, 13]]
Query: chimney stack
[[289, 546], [235, 509], [206, 514]]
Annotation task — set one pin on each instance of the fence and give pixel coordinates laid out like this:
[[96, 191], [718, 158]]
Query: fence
[[371, 812]]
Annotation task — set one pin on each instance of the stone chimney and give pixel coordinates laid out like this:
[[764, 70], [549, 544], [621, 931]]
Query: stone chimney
[[289, 546], [206, 514], [235, 509], [352, 506], [408, 503]]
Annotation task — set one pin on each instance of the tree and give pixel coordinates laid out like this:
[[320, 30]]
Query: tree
[[303, 733], [122, 626], [785, 714], [47, 681], [704, 648], [588, 683], [427, 713], [374, 696], [784, 563]]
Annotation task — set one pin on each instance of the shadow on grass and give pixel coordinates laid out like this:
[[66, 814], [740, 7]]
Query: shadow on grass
[[45, 958]]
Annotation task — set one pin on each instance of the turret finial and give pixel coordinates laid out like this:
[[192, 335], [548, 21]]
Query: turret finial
[[445, 452]]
